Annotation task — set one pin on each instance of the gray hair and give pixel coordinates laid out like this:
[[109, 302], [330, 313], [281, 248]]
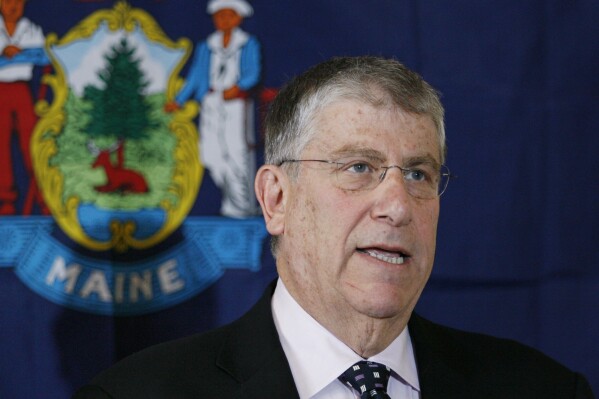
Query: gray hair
[[289, 124], [371, 80]]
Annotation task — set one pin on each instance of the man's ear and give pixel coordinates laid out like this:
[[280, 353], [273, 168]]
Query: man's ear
[[271, 186]]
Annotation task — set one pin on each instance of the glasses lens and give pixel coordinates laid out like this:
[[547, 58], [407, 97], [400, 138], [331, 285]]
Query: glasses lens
[[419, 182], [350, 179]]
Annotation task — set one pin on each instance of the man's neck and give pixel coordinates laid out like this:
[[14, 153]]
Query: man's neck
[[304, 339], [365, 335]]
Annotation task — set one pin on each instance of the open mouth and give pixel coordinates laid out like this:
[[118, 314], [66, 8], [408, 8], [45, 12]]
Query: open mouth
[[395, 258]]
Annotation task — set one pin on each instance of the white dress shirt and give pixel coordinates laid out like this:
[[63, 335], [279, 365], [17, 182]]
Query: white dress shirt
[[316, 357]]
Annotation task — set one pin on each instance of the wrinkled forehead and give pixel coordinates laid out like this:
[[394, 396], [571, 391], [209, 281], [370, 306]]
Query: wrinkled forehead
[[348, 125]]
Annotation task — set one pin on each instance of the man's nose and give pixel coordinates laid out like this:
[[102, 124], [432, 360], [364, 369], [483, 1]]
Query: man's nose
[[393, 203]]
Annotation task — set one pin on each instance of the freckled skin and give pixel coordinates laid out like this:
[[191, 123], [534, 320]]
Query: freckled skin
[[365, 302]]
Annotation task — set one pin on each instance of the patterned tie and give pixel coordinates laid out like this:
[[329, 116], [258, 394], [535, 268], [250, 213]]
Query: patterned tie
[[368, 378]]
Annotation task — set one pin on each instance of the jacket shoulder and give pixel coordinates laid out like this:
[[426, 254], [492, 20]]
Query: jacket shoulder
[[168, 370], [477, 347], [232, 360], [500, 366]]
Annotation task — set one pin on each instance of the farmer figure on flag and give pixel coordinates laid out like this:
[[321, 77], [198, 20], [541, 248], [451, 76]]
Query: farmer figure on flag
[[21, 47]]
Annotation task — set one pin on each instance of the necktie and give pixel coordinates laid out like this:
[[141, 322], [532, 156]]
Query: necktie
[[368, 378]]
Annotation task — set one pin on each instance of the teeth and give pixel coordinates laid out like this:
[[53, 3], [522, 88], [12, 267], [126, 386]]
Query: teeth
[[395, 260]]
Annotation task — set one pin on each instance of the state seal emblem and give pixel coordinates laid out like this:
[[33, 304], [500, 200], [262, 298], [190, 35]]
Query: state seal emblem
[[116, 171], [119, 174]]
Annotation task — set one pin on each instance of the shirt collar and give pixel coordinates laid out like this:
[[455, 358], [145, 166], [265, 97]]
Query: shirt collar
[[316, 357]]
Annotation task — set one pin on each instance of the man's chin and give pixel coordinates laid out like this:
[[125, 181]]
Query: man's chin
[[381, 305]]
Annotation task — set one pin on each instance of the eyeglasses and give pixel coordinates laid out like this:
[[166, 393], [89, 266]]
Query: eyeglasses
[[424, 181]]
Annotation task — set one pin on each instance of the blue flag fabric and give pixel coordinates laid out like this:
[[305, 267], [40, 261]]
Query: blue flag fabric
[[119, 230]]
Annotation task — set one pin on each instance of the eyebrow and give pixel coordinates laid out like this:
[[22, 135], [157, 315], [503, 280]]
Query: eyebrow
[[422, 160], [352, 150]]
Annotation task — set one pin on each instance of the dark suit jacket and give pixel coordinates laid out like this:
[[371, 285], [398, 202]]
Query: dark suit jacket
[[245, 360]]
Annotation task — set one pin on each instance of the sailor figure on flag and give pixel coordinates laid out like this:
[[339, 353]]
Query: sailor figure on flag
[[225, 68]]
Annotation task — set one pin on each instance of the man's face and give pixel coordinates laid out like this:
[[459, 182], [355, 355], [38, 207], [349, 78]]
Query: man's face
[[226, 19], [340, 249], [12, 10]]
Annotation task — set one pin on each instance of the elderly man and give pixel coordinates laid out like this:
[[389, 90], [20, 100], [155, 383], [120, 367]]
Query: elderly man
[[350, 193]]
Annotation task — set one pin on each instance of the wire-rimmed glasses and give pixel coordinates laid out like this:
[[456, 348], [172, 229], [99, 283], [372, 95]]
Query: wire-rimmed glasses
[[424, 181]]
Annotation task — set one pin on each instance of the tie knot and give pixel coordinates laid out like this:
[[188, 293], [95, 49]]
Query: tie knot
[[368, 378]]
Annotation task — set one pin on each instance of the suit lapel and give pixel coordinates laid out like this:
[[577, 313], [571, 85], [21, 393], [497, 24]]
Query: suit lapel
[[253, 356]]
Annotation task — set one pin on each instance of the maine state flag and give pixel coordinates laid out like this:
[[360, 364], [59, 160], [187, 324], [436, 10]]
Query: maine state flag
[[130, 133]]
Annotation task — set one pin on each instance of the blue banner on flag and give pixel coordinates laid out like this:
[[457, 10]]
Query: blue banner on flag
[[56, 272]]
